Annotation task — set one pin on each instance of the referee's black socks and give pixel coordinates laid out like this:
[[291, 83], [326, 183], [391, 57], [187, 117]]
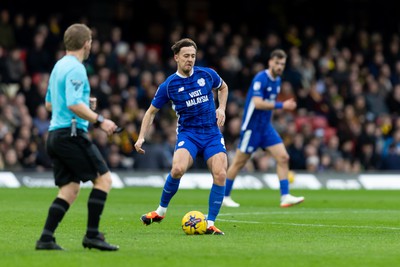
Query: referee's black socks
[[96, 202], [56, 213]]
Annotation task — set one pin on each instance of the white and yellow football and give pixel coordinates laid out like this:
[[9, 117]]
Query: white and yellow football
[[194, 223]]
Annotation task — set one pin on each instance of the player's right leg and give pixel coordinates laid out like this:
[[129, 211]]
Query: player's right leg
[[182, 160], [238, 163], [59, 146], [66, 196]]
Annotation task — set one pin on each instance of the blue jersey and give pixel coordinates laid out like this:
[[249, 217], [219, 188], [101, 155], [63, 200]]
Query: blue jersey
[[68, 85], [266, 87], [192, 99]]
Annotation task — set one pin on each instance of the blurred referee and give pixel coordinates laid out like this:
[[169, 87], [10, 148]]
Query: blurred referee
[[75, 158]]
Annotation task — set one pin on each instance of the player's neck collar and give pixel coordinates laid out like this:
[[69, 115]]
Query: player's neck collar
[[269, 75], [183, 76]]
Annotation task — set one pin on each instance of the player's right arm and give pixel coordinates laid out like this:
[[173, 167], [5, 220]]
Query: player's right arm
[[144, 128], [160, 98]]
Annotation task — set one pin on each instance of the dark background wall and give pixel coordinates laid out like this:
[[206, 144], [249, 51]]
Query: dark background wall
[[138, 18]]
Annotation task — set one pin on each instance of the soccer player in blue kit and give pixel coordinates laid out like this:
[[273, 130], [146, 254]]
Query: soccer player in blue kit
[[257, 130], [191, 91]]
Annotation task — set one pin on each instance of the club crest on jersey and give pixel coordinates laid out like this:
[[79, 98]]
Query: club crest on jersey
[[201, 82], [76, 84]]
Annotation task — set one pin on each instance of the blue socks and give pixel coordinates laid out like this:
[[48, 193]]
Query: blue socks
[[170, 187], [215, 201], [284, 186]]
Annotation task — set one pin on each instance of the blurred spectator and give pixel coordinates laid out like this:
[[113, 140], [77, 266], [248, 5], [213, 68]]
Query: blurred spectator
[[393, 100], [11, 162], [7, 37], [369, 160], [348, 76], [15, 67], [42, 160], [21, 31], [296, 151], [38, 58], [2, 163], [114, 161], [391, 161], [41, 121], [375, 98], [3, 65]]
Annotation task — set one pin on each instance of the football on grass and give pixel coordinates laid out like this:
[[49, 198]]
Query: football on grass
[[194, 223]]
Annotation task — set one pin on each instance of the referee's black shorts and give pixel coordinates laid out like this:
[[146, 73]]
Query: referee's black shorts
[[75, 158]]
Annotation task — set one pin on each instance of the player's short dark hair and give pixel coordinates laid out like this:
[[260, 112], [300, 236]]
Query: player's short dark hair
[[186, 42], [76, 35], [278, 53]]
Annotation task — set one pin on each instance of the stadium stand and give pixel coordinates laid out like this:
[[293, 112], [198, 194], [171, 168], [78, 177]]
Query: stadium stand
[[345, 77]]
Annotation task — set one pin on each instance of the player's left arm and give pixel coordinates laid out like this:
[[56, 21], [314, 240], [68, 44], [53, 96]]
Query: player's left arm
[[222, 100], [260, 103], [145, 127]]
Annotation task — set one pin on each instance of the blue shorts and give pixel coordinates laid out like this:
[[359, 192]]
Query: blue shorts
[[205, 145], [251, 140]]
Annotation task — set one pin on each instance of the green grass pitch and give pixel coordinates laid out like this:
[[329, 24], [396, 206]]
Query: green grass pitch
[[331, 228]]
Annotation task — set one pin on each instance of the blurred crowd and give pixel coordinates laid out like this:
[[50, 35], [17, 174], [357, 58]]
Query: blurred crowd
[[346, 82]]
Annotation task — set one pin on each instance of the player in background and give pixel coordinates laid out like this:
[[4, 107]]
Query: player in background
[[75, 158], [191, 91], [257, 130]]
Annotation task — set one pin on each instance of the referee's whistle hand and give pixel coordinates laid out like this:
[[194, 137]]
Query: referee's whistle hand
[[108, 126]]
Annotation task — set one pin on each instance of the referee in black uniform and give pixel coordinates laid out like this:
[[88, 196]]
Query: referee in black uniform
[[75, 158]]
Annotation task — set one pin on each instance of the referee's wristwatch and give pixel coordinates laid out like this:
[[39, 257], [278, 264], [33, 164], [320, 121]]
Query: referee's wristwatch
[[99, 120]]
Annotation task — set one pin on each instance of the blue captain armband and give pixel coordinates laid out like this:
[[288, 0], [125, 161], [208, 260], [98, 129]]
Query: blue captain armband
[[278, 105]]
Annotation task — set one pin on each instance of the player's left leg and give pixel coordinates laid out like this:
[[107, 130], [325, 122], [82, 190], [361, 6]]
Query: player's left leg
[[96, 203], [218, 164], [238, 163]]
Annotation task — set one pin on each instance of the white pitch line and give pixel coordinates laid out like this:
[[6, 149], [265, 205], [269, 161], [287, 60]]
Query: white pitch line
[[317, 225], [307, 225], [339, 226], [305, 211], [237, 221], [276, 212]]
